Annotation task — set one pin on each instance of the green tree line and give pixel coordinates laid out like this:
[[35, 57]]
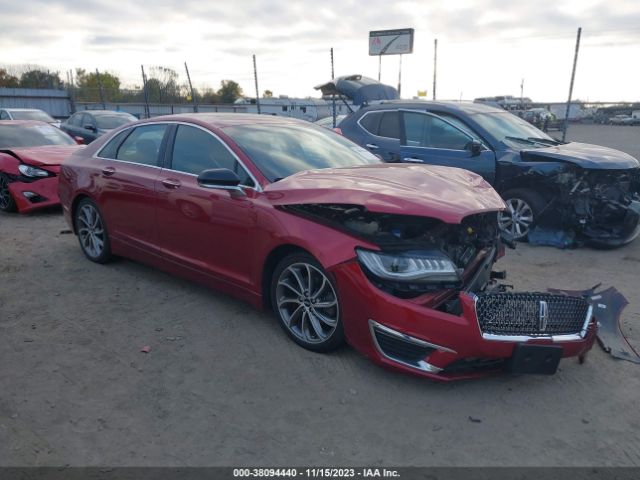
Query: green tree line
[[163, 86]]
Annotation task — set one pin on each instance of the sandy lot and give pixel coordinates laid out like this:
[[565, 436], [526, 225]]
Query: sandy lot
[[223, 385]]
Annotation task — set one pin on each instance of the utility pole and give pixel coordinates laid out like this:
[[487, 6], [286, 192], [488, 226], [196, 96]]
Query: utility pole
[[400, 77], [379, 66], [104, 107], [193, 94], [147, 112], [435, 64], [255, 77], [573, 76], [522, 93], [333, 95]]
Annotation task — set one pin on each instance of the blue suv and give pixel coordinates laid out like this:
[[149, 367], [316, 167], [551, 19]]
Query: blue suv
[[590, 192]]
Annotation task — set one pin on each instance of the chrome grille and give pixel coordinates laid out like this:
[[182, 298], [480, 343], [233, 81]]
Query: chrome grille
[[531, 314]]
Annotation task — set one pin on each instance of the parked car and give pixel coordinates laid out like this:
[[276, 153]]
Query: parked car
[[396, 259], [28, 114], [327, 122], [589, 190], [30, 156], [90, 124], [621, 120]]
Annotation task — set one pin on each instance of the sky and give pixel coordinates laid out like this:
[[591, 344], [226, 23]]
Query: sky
[[485, 47]]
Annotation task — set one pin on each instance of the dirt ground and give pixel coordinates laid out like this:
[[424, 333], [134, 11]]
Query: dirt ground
[[223, 385]]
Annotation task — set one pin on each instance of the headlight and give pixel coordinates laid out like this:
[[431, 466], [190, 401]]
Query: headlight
[[29, 171], [414, 267]]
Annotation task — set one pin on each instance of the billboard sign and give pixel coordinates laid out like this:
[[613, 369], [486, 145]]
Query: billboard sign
[[391, 42]]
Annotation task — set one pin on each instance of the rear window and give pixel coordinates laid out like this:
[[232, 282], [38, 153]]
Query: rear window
[[38, 115], [108, 122], [32, 136]]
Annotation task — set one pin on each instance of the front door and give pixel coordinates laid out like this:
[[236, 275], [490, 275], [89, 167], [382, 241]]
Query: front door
[[427, 138], [207, 229]]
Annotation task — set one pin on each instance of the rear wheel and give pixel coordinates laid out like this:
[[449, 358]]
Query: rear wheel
[[523, 209], [92, 232], [7, 203], [305, 300]]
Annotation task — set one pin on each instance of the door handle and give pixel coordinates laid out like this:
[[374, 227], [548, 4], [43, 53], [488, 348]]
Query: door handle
[[171, 183], [372, 146], [412, 160], [108, 171]]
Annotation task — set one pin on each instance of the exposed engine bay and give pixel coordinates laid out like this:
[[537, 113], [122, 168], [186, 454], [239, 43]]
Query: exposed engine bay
[[600, 205], [475, 241]]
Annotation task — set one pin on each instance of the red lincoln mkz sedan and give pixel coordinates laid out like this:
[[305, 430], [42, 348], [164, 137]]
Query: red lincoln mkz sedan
[[396, 259]]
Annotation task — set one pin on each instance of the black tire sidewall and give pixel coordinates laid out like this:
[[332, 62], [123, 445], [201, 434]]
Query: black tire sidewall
[[105, 256], [12, 207], [337, 337]]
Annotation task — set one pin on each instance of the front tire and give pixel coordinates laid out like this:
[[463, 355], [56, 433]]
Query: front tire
[[92, 232], [524, 207], [7, 203], [305, 300]]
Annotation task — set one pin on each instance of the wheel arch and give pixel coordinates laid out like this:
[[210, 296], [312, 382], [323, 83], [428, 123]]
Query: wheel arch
[[74, 206], [269, 266]]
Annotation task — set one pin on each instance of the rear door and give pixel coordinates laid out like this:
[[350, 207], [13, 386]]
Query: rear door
[[427, 138], [380, 133], [207, 229], [129, 169]]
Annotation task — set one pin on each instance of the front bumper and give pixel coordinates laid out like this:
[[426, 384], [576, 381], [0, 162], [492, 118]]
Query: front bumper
[[454, 344], [40, 193]]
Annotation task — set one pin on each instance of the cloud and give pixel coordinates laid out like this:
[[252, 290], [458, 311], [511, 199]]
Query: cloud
[[292, 38]]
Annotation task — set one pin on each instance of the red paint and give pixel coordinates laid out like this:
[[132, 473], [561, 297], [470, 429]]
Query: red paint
[[223, 239], [47, 158]]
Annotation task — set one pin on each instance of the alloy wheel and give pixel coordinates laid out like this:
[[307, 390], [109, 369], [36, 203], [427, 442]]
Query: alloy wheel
[[91, 231], [307, 303], [517, 219]]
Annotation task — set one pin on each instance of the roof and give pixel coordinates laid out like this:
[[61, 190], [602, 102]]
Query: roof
[[24, 123], [465, 107], [221, 120], [104, 112], [22, 109]]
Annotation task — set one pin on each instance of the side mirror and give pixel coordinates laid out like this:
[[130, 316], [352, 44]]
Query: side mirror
[[89, 127], [219, 178], [79, 140], [475, 147]]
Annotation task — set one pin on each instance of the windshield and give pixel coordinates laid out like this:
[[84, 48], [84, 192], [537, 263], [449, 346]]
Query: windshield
[[282, 150], [509, 129], [32, 136], [31, 115], [108, 122]]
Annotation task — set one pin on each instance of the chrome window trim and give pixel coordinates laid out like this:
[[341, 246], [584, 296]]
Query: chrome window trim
[[257, 188], [571, 337], [421, 365]]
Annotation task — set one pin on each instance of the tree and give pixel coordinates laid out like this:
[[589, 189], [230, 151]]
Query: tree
[[267, 94], [37, 78], [229, 91], [163, 86], [7, 80], [88, 86], [207, 95]]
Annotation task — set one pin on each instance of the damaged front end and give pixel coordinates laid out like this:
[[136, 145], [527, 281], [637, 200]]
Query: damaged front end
[[418, 255], [601, 206], [421, 296]]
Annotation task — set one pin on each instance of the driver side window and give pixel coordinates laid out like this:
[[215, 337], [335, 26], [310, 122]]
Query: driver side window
[[195, 150], [432, 132]]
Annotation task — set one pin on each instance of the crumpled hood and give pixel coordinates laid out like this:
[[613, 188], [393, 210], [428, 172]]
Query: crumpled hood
[[445, 193], [584, 155], [52, 155]]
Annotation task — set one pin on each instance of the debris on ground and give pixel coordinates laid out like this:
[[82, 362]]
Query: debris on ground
[[145, 349], [607, 309], [552, 237], [474, 420]]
